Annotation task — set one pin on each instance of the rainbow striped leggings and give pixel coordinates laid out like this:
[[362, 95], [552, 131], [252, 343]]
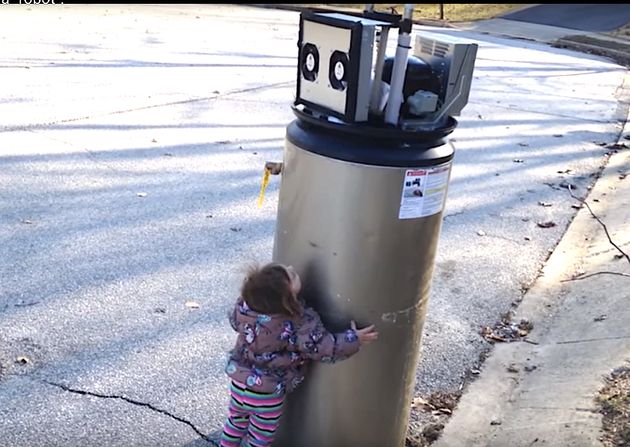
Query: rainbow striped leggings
[[252, 415]]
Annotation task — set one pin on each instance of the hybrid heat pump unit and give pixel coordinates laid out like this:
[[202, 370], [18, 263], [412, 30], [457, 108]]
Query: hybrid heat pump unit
[[335, 64], [452, 62]]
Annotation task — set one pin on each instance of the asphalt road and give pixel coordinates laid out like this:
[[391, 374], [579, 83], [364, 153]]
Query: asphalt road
[[132, 143], [584, 17]]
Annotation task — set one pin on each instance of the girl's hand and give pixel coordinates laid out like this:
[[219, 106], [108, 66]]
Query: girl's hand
[[365, 335]]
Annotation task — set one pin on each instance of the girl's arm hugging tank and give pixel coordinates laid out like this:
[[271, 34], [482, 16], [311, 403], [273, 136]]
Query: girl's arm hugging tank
[[315, 342], [271, 350]]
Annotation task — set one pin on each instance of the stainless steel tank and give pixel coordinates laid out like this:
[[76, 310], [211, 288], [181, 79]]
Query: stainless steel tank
[[359, 217]]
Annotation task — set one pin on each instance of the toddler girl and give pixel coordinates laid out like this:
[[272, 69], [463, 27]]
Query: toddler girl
[[277, 337]]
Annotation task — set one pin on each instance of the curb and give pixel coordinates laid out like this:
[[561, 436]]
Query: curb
[[598, 47]]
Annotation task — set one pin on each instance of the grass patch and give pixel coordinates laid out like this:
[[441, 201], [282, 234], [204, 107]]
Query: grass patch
[[621, 33], [463, 12], [614, 404]]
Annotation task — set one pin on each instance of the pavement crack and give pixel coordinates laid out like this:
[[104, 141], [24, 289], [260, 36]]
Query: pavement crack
[[507, 239], [577, 278], [603, 252], [585, 410], [553, 115], [26, 127], [129, 400], [589, 340], [90, 154], [457, 213]]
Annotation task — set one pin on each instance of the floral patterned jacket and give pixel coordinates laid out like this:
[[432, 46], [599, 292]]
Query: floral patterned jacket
[[272, 351]]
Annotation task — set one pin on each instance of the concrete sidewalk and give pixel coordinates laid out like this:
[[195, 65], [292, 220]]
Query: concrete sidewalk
[[543, 392]]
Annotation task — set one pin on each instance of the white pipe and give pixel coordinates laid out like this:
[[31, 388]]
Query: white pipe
[[375, 97], [369, 7], [408, 14], [392, 111]]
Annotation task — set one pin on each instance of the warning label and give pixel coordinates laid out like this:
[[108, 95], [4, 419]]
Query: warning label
[[424, 191]]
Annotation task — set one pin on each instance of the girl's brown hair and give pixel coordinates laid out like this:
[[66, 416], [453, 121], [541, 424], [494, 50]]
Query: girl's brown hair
[[268, 290]]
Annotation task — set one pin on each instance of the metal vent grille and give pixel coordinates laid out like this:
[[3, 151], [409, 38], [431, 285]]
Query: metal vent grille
[[434, 48]]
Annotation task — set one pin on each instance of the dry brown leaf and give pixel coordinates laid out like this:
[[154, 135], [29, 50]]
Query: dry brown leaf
[[419, 402], [495, 337]]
